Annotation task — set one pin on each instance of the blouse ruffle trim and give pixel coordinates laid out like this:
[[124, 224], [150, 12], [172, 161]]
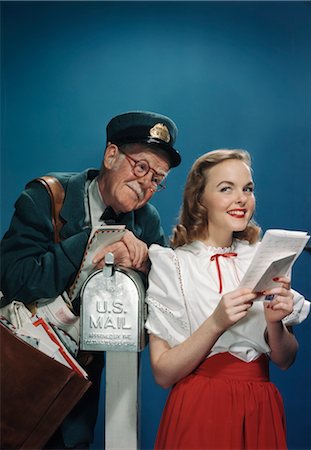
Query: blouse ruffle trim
[[183, 324]]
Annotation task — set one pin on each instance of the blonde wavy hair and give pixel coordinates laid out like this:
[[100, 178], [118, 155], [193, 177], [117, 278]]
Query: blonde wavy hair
[[193, 217]]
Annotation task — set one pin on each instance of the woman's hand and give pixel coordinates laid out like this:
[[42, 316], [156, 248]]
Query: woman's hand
[[282, 342], [232, 307], [282, 303]]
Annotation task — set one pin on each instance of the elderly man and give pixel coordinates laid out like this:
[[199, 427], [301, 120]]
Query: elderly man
[[138, 156]]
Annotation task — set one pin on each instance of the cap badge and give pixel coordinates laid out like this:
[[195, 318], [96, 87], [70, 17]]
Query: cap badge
[[160, 131]]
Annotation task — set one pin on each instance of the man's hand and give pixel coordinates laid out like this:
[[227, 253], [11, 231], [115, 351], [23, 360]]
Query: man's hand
[[129, 252]]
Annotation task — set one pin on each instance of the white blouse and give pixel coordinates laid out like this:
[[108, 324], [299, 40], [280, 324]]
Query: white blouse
[[185, 286]]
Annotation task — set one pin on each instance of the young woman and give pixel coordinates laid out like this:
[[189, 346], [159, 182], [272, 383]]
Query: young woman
[[209, 339]]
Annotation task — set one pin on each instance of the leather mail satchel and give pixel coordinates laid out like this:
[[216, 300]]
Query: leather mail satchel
[[37, 393]]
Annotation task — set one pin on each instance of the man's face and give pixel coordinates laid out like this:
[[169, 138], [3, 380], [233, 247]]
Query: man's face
[[120, 187]]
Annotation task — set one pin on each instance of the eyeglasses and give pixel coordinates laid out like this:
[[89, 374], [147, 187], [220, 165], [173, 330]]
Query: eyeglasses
[[141, 168]]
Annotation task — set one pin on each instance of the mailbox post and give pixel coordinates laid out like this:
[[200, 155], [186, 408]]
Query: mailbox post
[[112, 320]]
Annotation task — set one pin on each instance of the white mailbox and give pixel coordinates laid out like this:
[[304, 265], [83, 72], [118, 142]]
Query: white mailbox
[[113, 311]]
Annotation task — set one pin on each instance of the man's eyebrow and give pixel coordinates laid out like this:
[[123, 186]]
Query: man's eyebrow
[[158, 170], [162, 172]]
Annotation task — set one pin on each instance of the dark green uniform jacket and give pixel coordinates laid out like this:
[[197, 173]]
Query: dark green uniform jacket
[[33, 266]]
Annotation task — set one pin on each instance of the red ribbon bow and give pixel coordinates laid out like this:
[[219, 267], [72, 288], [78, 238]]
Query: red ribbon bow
[[216, 258]]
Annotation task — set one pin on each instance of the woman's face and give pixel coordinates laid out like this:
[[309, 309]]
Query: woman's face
[[229, 199]]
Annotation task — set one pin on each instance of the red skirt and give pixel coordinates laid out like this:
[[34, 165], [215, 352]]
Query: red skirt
[[224, 404]]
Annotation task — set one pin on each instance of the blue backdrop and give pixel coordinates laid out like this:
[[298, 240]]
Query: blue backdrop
[[231, 74]]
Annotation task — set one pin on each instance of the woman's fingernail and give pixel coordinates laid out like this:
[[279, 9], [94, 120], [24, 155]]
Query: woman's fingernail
[[275, 279]]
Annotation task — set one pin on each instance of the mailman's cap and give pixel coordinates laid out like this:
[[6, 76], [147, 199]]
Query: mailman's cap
[[145, 127]]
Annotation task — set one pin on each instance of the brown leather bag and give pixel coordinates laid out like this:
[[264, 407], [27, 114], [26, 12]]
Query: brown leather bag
[[57, 195], [37, 392]]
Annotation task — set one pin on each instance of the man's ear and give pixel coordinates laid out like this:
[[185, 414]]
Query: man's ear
[[111, 156]]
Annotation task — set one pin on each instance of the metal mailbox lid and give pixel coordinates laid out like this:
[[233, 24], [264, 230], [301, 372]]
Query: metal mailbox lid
[[112, 312]]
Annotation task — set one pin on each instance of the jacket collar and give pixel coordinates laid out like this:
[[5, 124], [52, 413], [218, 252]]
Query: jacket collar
[[73, 210]]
